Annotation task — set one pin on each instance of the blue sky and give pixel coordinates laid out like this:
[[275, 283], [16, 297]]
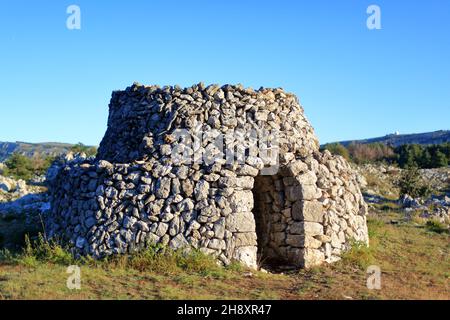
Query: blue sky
[[353, 82]]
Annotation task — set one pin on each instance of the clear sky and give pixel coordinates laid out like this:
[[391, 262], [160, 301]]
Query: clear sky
[[56, 83]]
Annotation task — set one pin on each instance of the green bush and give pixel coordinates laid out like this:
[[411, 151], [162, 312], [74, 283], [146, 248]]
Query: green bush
[[359, 254], [436, 226], [19, 166], [81, 148], [154, 258], [411, 183], [337, 149], [431, 156], [45, 251], [6, 256], [162, 259]]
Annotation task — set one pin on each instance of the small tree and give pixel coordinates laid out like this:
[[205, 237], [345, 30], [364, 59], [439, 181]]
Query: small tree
[[439, 160], [81, 148], [22, 167], [411, 183], [338, 149], [19, 167], [409, 155]]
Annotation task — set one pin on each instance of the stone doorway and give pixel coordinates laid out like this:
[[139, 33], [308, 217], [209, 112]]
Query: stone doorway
[[271, 224]]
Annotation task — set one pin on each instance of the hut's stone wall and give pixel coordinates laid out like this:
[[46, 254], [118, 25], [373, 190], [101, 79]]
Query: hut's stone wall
[[234, 172]]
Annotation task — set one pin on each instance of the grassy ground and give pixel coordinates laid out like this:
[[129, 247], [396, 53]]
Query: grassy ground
[[414, 261]]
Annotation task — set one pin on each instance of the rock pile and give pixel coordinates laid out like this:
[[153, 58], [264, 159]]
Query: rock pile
[[17, 197], [435, 208], [234, 172], [439, 178], [11, 185], [11, 189]]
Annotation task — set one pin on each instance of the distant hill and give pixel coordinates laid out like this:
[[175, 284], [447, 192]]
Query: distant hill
[[56, 148], [396, 140], [30, 149]]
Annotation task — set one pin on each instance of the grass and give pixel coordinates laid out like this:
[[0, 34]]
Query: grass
[[359, 254], [436, 226], [413, 258], [387, 206], [383, 184]]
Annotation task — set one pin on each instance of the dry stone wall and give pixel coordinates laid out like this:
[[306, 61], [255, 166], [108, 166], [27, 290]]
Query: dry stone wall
[[189, 168]]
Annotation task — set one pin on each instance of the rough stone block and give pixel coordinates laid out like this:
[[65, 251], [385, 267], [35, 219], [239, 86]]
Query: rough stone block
[[246, 255], [241, 201], [312, 211], [241, 222], [243, 239]]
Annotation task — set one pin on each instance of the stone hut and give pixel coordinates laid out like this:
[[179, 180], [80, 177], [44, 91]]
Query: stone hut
[[232, 171]]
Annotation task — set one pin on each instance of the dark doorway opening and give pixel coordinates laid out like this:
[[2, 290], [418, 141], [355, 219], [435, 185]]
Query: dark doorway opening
[[269, 201]]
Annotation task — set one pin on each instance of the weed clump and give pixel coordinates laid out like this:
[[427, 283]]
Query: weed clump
[[359, 254], [436, 226]]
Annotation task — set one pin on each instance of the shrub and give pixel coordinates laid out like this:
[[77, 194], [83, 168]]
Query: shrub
[[155, 258], [45, 251], [5, 255], [337, 149], [162, 259], [359, 254], [436, 226], [411, 183], [19, 166], [439, 160], [81, 148], [372, 152]]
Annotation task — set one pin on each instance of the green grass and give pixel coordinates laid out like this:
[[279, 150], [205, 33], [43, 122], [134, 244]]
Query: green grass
[[157, 259], [359, 254], [436, 226], [387, 206], [384, 185]]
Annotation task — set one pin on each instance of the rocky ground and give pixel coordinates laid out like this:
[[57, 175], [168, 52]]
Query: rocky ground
[[22, 205], [378, 183], [17, 197]]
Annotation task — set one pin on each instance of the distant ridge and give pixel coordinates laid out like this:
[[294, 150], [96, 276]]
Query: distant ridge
[[31, 149], [396, 140], [57, 148]]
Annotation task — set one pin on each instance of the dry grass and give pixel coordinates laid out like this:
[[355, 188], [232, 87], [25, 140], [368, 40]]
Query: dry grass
[[383, 184], [414, 262]]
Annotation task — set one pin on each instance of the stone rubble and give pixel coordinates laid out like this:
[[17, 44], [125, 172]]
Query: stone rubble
[[435, 208], [17, 197], [136, 193], [9, 185]]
